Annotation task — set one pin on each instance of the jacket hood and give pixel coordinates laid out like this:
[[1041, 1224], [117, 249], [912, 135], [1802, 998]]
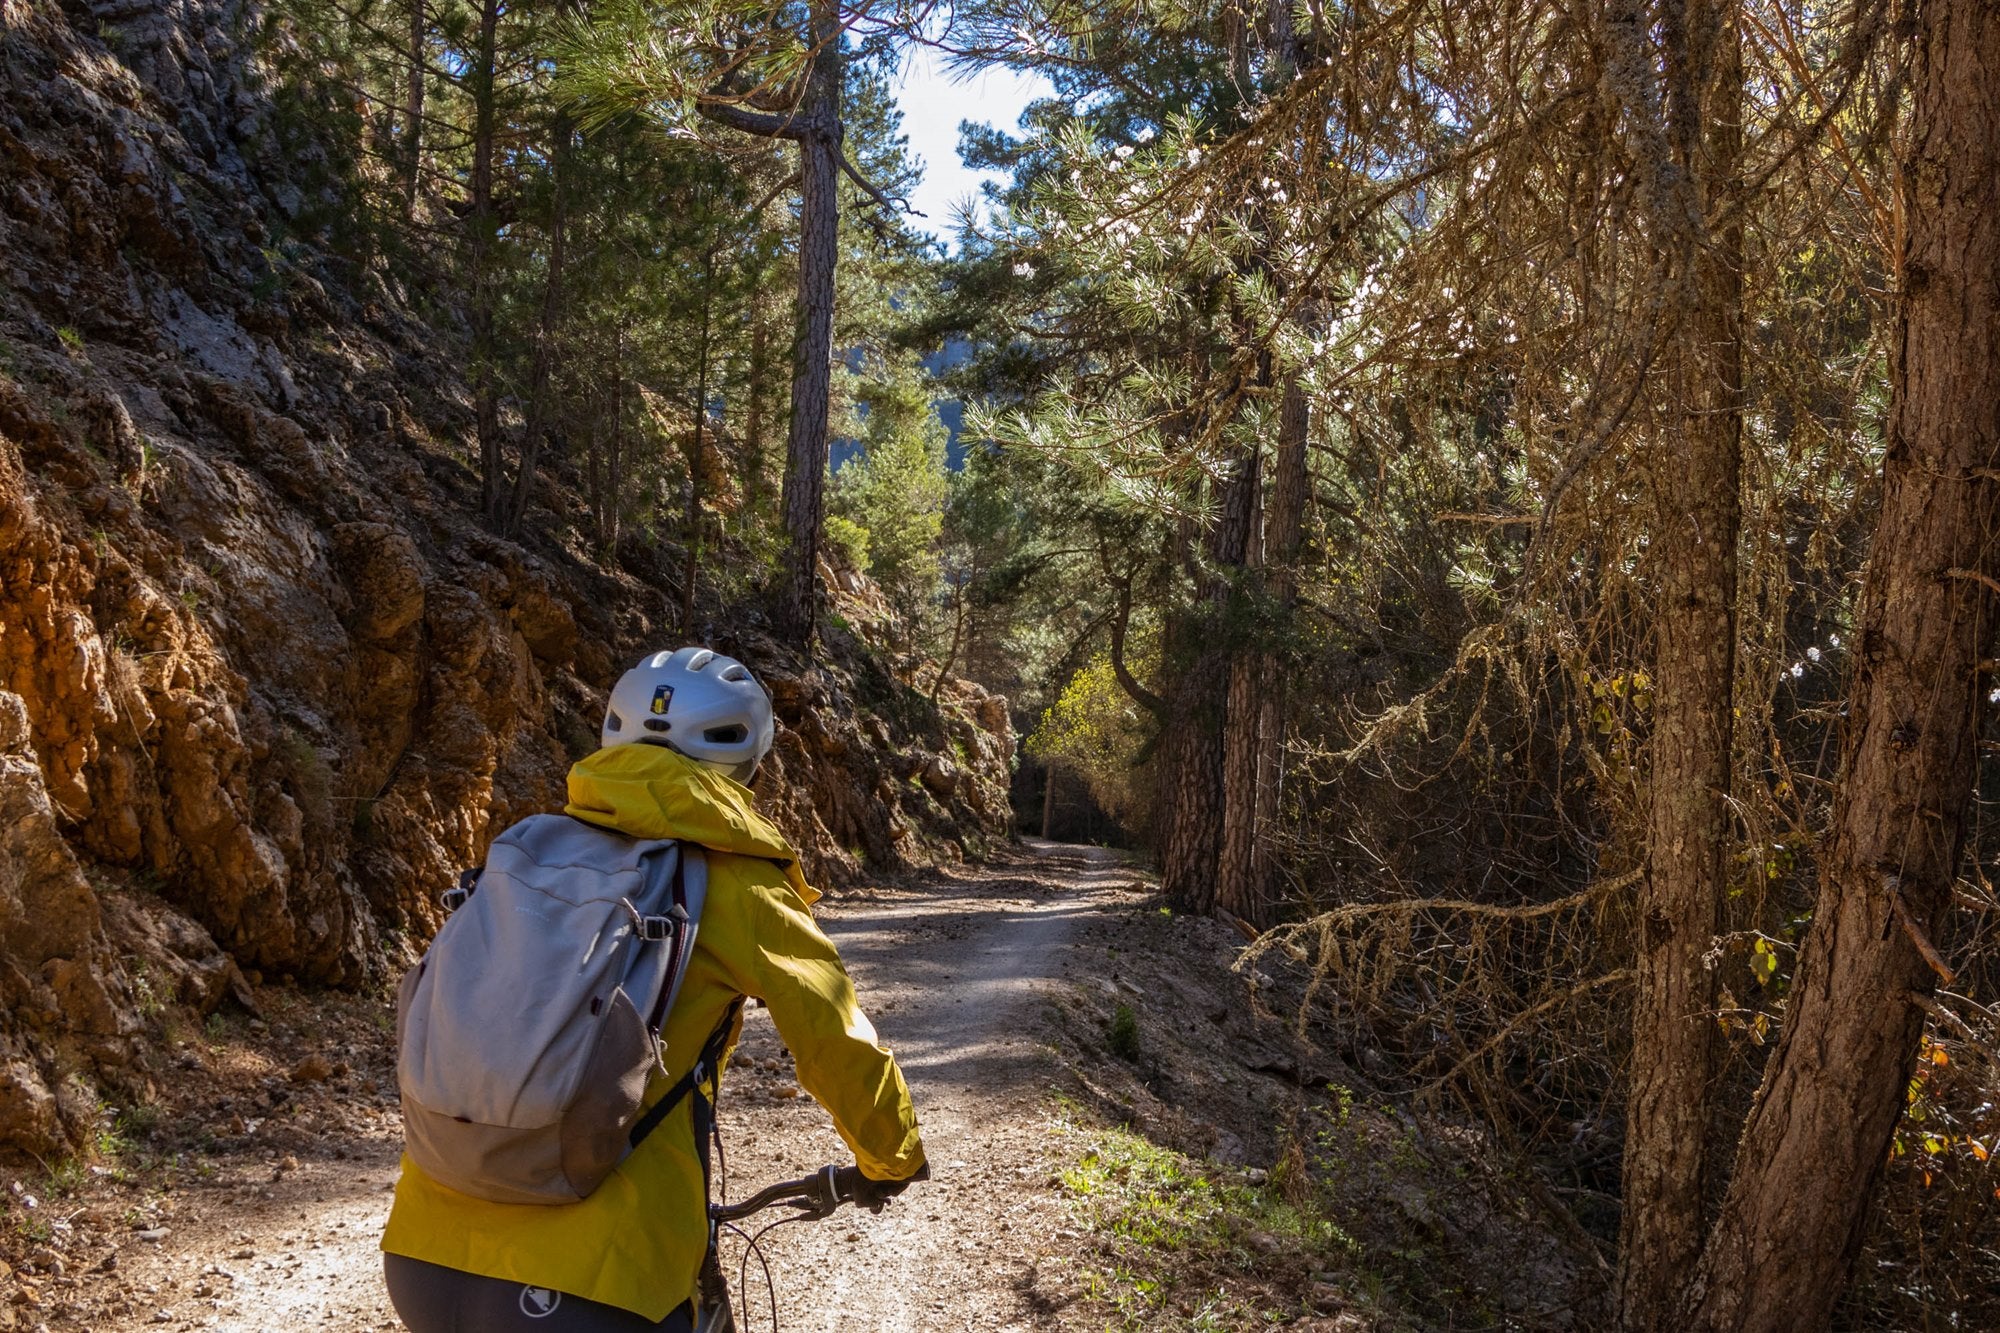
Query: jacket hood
[[649, 791]]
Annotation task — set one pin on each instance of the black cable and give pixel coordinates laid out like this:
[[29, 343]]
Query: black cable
[[721, 1157], [754, 1245], [770, 1285]]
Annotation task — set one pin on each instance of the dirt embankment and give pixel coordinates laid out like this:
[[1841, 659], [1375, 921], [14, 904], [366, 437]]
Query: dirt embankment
[[264, 684], [1119, 1140]]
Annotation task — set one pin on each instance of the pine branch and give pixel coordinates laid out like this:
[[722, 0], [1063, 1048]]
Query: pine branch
[[884, 200], [1142, 696], [763, 124]]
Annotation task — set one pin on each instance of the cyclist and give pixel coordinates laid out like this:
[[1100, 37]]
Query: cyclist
[[682, 738]]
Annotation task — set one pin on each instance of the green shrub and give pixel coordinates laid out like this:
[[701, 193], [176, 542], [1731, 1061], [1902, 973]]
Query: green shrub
[[1123, 1035], [849, 538]]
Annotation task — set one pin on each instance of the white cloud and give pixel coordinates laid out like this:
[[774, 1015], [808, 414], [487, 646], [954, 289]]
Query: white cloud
[[933, 103]]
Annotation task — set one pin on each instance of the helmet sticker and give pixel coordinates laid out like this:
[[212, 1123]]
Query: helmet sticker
[[662, 697]]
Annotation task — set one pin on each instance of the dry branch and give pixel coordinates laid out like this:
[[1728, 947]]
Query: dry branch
[[1409, 907], [1521, 1020], [1922, 941], [1958, 1026]]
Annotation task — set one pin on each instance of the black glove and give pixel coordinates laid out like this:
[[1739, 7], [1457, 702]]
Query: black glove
[[874, 1194]]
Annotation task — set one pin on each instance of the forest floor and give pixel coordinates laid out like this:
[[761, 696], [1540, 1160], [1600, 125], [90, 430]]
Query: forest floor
[[1121, 1137]]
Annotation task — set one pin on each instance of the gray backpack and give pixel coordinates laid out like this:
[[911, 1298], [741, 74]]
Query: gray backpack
[[528, 1033]]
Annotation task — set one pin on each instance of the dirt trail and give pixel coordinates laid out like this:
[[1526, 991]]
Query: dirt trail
[[956, 970]]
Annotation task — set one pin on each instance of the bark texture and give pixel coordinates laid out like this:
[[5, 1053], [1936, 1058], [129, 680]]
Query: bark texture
[[1253, 768], [1696, 480], [480, 232], [1236, 888], [1816, 1139], [804, 497], [1198, 705]]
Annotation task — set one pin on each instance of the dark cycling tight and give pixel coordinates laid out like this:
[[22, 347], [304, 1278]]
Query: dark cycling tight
[[430, 1298]]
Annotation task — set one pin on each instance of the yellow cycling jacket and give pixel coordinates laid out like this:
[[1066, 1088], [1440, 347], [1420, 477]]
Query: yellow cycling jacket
[[637, 1241]]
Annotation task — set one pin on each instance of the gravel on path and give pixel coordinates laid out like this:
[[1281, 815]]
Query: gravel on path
[[956, 969]]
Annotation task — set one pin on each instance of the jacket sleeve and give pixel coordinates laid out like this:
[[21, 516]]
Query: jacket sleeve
[[793, 967]]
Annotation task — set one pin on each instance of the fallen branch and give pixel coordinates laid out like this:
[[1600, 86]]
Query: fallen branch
[[1242, 927], [1497, 520], [1341, 916]]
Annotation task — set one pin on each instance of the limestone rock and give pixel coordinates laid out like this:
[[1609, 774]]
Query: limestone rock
[[28, 1119], [47, 910], [385, 572], [266, 683]]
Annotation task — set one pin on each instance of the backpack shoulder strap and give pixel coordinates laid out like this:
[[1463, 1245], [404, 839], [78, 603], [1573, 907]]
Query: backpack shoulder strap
[[683, 920], [703, 1069]]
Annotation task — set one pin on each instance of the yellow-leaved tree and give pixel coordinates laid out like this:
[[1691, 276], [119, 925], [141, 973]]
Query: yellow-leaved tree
[[1095, 732]]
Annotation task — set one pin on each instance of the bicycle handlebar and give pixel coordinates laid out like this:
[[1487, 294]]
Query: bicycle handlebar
[[817, 1196]]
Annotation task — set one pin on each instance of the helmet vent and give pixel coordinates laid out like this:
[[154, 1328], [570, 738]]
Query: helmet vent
[[706, 705]]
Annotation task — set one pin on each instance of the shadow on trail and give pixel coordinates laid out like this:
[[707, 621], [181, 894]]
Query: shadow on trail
[[969, 963]]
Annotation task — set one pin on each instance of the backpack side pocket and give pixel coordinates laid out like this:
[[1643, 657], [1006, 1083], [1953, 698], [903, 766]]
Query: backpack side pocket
[[598, 1119]]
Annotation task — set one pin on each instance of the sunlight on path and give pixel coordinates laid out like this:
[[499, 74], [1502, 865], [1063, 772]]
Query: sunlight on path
[[954, 973], [957, 981]]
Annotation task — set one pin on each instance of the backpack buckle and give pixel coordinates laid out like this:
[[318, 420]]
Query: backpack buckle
[[453, 899], [657, 929]]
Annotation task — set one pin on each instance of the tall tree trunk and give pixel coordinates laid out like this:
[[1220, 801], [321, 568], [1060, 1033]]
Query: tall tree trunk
[[1258, 683], [481, 232], [1817, 1137], [1198, 704], [1695, 475], [1254, 721], [614, 510], [595, 471], [753, 417], [541, 379], [691, 519], [593, 476], [413, 111], [815, 123], [812, 354], [1242, 718]]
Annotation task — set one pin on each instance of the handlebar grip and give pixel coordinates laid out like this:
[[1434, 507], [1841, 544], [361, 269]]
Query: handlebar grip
[[851, 1186], [848, 1183]]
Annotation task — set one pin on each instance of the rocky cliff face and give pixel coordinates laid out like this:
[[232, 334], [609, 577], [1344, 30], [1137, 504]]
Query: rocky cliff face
[[263, 686]]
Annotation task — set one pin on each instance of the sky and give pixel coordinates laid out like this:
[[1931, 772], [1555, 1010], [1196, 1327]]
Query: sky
[[933, 103]]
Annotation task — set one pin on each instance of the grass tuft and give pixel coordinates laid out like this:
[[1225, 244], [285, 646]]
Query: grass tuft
[[1189, 1244]]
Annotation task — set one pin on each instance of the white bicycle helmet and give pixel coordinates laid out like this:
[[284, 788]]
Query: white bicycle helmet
[[706, 706]]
